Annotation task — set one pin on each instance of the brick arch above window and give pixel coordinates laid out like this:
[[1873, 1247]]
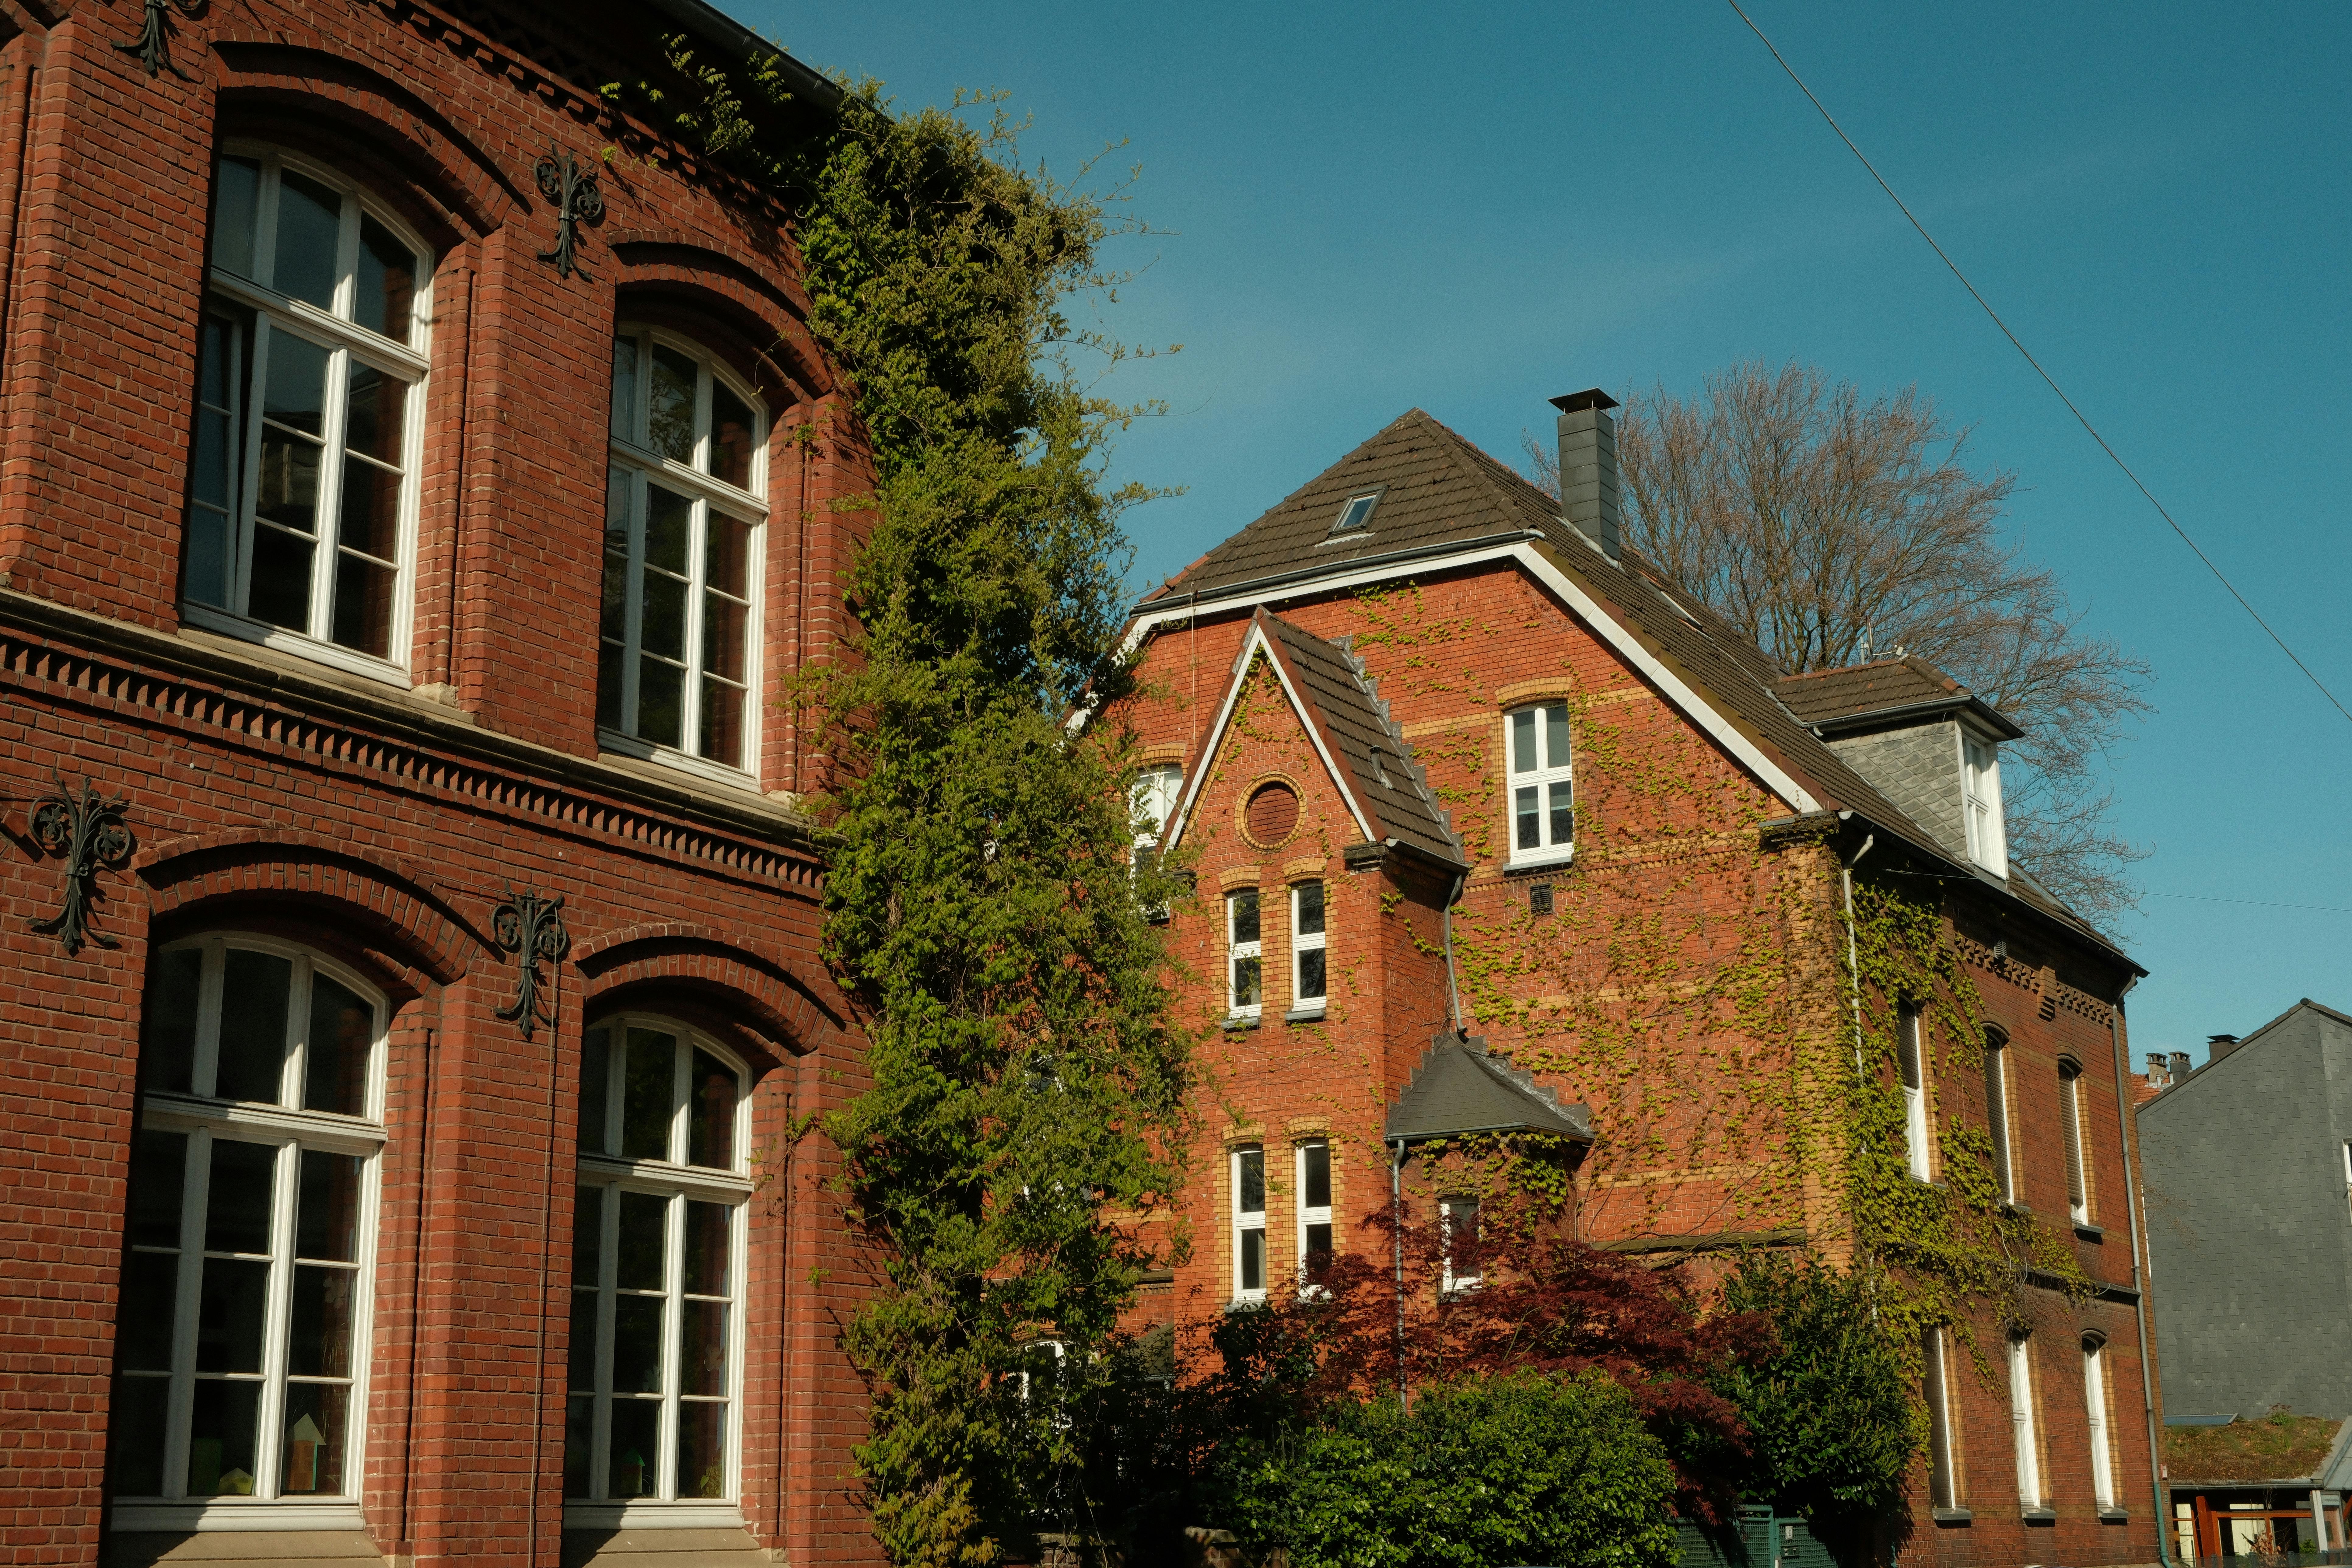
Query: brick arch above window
[[749, 299], [392, 139], [788, 1001], [414, 929]]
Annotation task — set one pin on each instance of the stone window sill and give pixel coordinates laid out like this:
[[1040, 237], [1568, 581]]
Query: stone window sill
[[2038, 1515], [1304, 1015], [1951, 1515]]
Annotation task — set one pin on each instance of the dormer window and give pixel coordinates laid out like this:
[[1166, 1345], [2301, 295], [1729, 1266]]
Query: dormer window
[[1357, 514], [1980, 804]]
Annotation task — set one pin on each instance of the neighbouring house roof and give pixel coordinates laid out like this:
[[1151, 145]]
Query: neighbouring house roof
[[1441, 497], [1862, 696], [1365, 751], [1459, 1090], [2222, 1051]]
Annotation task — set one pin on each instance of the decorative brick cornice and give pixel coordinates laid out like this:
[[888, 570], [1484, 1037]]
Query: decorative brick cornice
[[393, 742]]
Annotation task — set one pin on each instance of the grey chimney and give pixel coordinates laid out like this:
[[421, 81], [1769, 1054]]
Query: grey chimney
[[1588, 468], [2179, 1066], [2159, 1068]]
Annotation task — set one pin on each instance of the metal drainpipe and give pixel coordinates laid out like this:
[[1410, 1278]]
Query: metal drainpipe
[[2140, 1280], [1453, 988], [1396, 1210], [1852, 961]]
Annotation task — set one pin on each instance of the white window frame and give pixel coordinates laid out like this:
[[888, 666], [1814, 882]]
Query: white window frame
[[1911, 1067], [2095, 1396], [206, 1120], [1152, 802], [1304, 942], [1943, 1473], [1238, 952], [1997, 1116], [1547, 774], [345, 340], [679, 1183], [2072, 1144], [1981, 804], [633, 465], [1248, 1222], [1448, 1209], [2022, 1425], [1315, 1214]]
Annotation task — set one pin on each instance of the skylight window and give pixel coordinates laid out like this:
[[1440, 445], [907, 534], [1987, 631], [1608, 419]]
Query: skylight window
[[1357, 513]]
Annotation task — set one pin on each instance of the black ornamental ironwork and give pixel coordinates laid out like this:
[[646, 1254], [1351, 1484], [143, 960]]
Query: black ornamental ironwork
[[153, 44], [578, 199], [86, 829], [532, 928]]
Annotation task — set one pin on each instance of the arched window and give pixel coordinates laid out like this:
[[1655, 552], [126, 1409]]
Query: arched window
[[310, 414], [656, 1274], [1543, 795], [244, 1328], [677, 667]]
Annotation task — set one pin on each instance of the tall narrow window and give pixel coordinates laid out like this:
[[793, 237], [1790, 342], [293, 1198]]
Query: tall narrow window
[[1458, 1240], [2070, 1127], [1246, 993], [1314, 1206], [677, 671], [1543, 798], [1996, 1060], [657, 1274], [1154, 802], [1980, 805], [2021, 1423], [1912, 1063], [1942, 1476], [244, 1293], [1249, 1225], [1307, 947], [2094, 1398], [311, 370]]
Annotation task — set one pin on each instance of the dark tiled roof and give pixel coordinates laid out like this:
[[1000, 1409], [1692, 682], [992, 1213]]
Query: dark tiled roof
[[1836, 697], [1458, 1089], [1440, 490], [1390, 786]]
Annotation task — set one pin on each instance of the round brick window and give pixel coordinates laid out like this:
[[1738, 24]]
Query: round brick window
[[1273, 811]]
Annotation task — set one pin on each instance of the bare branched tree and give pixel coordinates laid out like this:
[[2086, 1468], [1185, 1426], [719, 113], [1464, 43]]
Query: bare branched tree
[[1832, 530]]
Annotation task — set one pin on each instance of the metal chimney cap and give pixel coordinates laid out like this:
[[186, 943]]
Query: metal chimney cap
[[2220, 1039], [1592, 397]]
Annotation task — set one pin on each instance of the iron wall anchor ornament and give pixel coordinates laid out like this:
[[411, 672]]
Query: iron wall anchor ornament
[[153, 44], [87, 829], [532, 928], [578, 199]]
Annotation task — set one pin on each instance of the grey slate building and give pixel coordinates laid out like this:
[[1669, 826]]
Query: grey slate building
[[2248, 1168]]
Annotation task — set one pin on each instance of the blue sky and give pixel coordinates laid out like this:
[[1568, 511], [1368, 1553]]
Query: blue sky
[[1370, 208]]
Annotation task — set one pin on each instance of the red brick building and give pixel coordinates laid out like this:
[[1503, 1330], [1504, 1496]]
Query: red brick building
[[1494, 828], [408, 930]]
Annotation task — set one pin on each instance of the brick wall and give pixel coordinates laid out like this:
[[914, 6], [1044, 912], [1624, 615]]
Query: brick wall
[[379, 821]]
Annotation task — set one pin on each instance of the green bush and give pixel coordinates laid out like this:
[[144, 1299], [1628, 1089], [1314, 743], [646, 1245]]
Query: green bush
[[1485, 1473]]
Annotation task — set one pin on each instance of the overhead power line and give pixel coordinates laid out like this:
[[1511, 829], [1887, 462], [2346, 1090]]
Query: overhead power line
[[2047, 379], [2254, 903]]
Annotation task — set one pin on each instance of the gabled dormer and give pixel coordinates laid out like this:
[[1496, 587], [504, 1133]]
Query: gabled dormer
[[1926, 741]]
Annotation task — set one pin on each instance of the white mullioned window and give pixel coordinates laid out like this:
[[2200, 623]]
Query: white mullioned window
[[1911, 1056], [1308, 937], [2021, 1423], [1980, 804], [2004, 1169], [302, 482], [1543, 796], [653, 1426], [247, 1280], [2070, 1127], [1153, 802], [1457, 1236], [2095, 1399], [1245, 965], [1313, 1177], [677, 667], [1249, 1224], [1943, 1471]]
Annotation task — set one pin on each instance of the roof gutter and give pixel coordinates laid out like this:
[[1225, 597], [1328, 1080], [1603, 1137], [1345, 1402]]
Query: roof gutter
[[1975, 707], [1306, 577], [713, 26]]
